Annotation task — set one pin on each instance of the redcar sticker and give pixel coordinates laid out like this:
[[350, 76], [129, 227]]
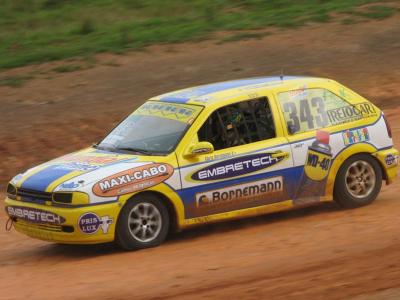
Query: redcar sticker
[[133, 180], [34, 215]]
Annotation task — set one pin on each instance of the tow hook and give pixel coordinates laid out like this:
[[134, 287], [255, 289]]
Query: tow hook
[[9, 224]]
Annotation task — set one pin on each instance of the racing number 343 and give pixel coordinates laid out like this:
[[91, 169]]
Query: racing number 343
[[306, 117]]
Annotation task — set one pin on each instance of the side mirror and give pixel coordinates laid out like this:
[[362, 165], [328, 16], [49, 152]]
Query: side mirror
[[200, 148]]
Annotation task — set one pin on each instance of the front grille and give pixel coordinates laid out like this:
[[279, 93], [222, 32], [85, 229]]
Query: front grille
[[47, 227], [34, 196]]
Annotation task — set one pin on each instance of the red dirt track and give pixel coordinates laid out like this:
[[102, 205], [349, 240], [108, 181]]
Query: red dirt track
[[320, 252]]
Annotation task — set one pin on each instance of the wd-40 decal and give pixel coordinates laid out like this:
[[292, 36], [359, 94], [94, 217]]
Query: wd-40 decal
[[133, 180], [237, 166], [316, 169], [34, 215], [355, 136]]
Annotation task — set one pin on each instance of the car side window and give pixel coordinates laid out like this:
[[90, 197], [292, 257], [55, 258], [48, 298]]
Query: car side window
[[239, 124], [309, 109]]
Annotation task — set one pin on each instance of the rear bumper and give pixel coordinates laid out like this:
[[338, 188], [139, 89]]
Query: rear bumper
[[84, 225], [389, 160]]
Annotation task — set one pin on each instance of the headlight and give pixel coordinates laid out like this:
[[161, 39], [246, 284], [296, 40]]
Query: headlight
[[11, 191], [64, 198], [72, 198]]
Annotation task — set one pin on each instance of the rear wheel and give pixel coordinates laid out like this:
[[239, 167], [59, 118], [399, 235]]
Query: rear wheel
[[358, 181], [143, 223]]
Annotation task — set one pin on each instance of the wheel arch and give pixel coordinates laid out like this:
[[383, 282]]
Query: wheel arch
[[345, 154], [175, 210]]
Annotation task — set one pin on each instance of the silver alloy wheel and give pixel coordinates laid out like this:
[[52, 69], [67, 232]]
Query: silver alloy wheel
[[144, 222], [360, 179]]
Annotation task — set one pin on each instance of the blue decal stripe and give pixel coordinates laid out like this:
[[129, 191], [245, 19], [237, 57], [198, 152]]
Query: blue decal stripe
[[41, 180], [185, 95]]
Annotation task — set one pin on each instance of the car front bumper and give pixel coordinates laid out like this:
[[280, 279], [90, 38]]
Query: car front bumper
[[90, 224]]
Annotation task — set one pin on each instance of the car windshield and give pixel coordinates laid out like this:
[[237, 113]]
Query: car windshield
[[155, 128]]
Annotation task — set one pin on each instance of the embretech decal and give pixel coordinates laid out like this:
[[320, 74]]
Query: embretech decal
[[133, 180], [34, 215], [237, 167]]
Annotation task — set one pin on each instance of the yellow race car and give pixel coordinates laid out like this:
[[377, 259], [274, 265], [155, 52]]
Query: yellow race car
[[210, 153]]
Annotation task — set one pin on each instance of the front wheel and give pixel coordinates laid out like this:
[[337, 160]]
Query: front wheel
[[358, 181], [143, 223]]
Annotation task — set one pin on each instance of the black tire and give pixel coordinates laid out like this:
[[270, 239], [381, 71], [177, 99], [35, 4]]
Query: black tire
[[354, 189], [127, 237]]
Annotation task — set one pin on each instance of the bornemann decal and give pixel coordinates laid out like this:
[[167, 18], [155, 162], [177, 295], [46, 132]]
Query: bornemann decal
[[256, 190], [34, 215], [236, 166], [133, 180]]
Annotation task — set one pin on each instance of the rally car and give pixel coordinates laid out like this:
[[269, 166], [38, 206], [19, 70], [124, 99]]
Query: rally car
[[210, 153]]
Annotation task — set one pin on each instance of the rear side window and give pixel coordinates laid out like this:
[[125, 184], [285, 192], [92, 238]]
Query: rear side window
[[309, 109], [239, 124]]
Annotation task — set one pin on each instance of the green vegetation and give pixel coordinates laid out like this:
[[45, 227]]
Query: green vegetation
[[67, 68], [14, 81], [35, 31], [243, 36]]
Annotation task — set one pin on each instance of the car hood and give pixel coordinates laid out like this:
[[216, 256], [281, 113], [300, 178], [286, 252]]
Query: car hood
[[58, 173]]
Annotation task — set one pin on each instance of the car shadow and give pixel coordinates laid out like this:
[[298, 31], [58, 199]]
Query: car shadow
[[89, 251]]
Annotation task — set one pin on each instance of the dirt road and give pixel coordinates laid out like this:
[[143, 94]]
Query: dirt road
[[315, 253]]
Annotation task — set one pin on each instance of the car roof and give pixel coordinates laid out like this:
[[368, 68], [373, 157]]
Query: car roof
[[211, 93]]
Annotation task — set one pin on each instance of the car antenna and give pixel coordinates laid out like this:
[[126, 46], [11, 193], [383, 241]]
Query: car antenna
[[281, 76]]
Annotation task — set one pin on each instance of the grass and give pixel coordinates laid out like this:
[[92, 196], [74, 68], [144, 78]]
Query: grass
[[243, 36], [67, 68], [36, 31], [14, 81]]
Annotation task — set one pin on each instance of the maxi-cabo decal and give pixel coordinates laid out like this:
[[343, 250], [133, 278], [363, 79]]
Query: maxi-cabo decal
[[237, 166], [34, 215], [255, 190], [133, 180]]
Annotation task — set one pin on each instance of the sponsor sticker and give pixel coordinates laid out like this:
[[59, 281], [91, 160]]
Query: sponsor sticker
[[255, 190], [133, 180], [355, 136], [177, 112], [237, 166], [390, 159], [350, 113], [86, 162], [299, 93], [34, 215], [90, 223], [71, 185]]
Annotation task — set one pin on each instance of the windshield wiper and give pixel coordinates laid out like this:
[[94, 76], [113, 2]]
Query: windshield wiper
[[131, 149]]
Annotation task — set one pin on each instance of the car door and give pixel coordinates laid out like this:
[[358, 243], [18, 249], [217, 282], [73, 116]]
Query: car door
[[250, 166]]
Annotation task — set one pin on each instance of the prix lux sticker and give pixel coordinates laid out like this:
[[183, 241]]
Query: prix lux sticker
[[133, 180], [90, 223]]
